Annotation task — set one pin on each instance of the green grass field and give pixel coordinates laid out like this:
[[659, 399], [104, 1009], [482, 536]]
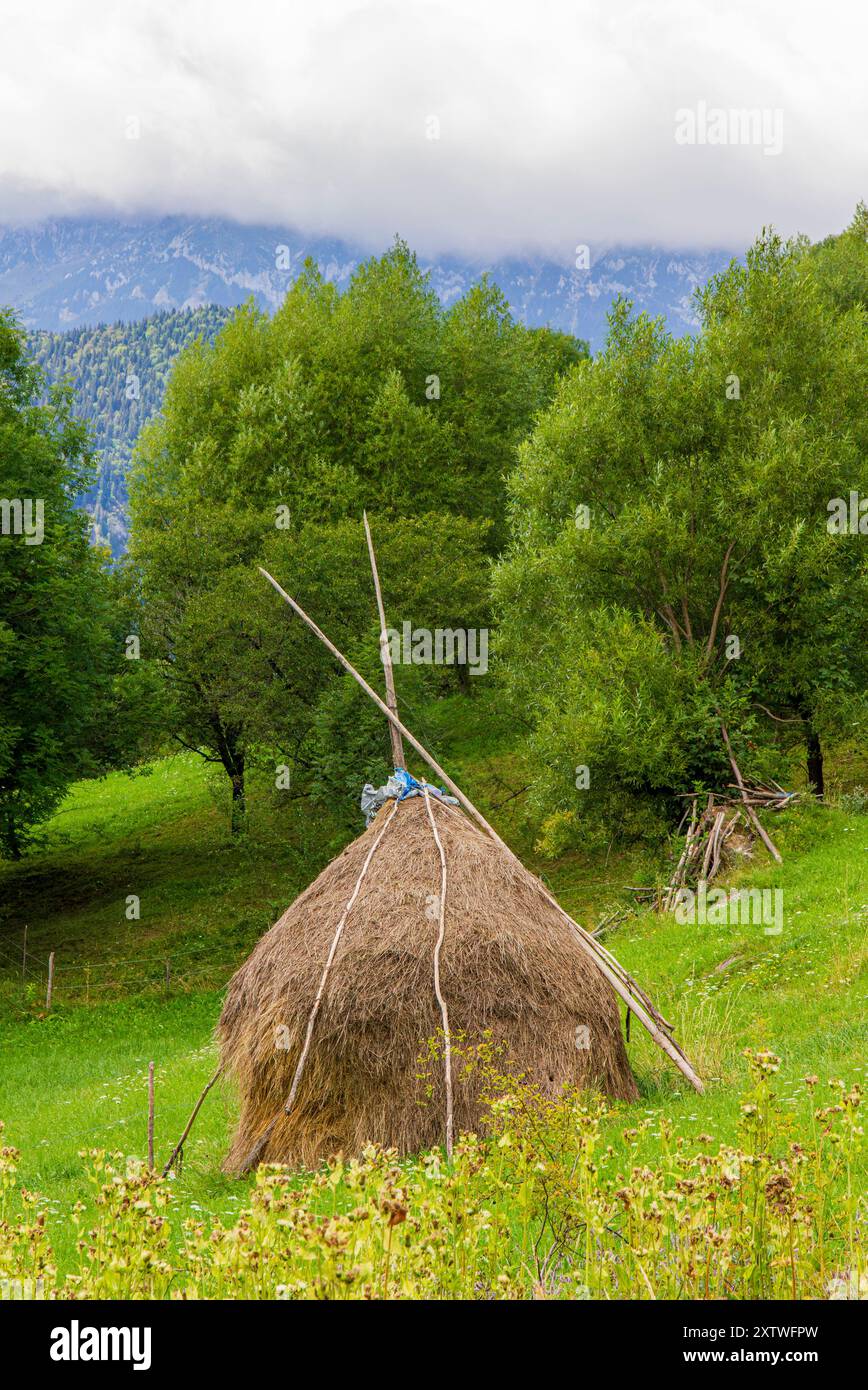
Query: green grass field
[[76, 1078]]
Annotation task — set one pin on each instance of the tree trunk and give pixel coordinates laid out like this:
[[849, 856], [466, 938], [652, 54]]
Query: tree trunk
[[231, 753], [815, 760], [239, 799]]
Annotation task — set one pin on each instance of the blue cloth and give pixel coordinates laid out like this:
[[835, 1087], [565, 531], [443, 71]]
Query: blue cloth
[[399, 787]]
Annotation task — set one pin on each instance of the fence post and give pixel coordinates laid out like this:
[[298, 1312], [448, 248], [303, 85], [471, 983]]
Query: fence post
[[168, 977], [151, 1116], [50, 989], [24, 961]]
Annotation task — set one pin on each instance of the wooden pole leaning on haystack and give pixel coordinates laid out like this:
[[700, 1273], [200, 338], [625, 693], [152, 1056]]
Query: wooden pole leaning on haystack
[[385, 654], [633, 996]]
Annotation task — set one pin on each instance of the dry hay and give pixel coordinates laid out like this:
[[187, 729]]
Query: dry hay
[[510, 964]]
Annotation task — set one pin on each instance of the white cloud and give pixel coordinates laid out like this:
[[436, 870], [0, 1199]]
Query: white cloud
[[557, 120]]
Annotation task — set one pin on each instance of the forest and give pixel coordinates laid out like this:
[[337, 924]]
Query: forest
[[118, 374], [645, 534]]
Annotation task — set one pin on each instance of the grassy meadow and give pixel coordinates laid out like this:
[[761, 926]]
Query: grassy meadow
[[75, 1079]]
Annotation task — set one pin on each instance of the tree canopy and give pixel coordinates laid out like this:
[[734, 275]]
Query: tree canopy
[[58, 639], [273, 440], [671, 566]]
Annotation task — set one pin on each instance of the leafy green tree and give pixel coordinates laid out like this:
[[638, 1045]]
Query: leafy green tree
[[377, 397], [270, 444], [838, 264], [802, 427], [59, 647], [673, 504], [246, 683]]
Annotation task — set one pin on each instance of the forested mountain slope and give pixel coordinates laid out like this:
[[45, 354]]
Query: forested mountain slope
[[118, 372]]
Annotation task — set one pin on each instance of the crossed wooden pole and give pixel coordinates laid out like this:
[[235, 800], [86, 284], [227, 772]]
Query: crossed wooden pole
[[633, 995]]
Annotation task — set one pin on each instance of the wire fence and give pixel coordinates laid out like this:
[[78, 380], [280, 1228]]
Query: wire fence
[[76, 981], [43, 982]]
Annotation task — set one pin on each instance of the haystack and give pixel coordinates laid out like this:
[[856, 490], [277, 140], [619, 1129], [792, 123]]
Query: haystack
[[510, 965]]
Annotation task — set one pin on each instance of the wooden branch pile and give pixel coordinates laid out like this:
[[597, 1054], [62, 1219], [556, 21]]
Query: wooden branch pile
[[709, 844], [765, 796]]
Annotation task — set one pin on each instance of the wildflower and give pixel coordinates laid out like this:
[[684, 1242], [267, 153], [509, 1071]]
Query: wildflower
[[395, 1211], [779, 1193]]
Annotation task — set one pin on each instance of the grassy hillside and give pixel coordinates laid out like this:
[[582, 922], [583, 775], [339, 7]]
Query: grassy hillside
[[75, 1079]]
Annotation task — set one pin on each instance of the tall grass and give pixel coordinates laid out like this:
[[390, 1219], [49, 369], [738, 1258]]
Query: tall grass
[[542, 1208]]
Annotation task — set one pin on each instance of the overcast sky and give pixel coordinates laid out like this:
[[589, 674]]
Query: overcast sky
[[557, 118]]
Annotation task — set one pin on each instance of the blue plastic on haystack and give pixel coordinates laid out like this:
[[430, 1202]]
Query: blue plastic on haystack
[[400, 785]]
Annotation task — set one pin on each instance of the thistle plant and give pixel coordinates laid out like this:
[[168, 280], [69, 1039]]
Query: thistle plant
[[550, 1203]]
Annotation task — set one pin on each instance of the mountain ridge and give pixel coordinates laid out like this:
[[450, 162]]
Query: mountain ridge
[[74, 272]]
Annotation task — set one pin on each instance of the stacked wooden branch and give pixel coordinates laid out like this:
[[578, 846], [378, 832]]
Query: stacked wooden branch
[[723, 826], [765, 796]]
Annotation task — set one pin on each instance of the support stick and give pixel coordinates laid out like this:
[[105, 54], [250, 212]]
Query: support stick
[[675, 880], [385, 654], [50, 990], [444, 1013], [151, 1116], [189, 1125], [623, 984], [749, 811]]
